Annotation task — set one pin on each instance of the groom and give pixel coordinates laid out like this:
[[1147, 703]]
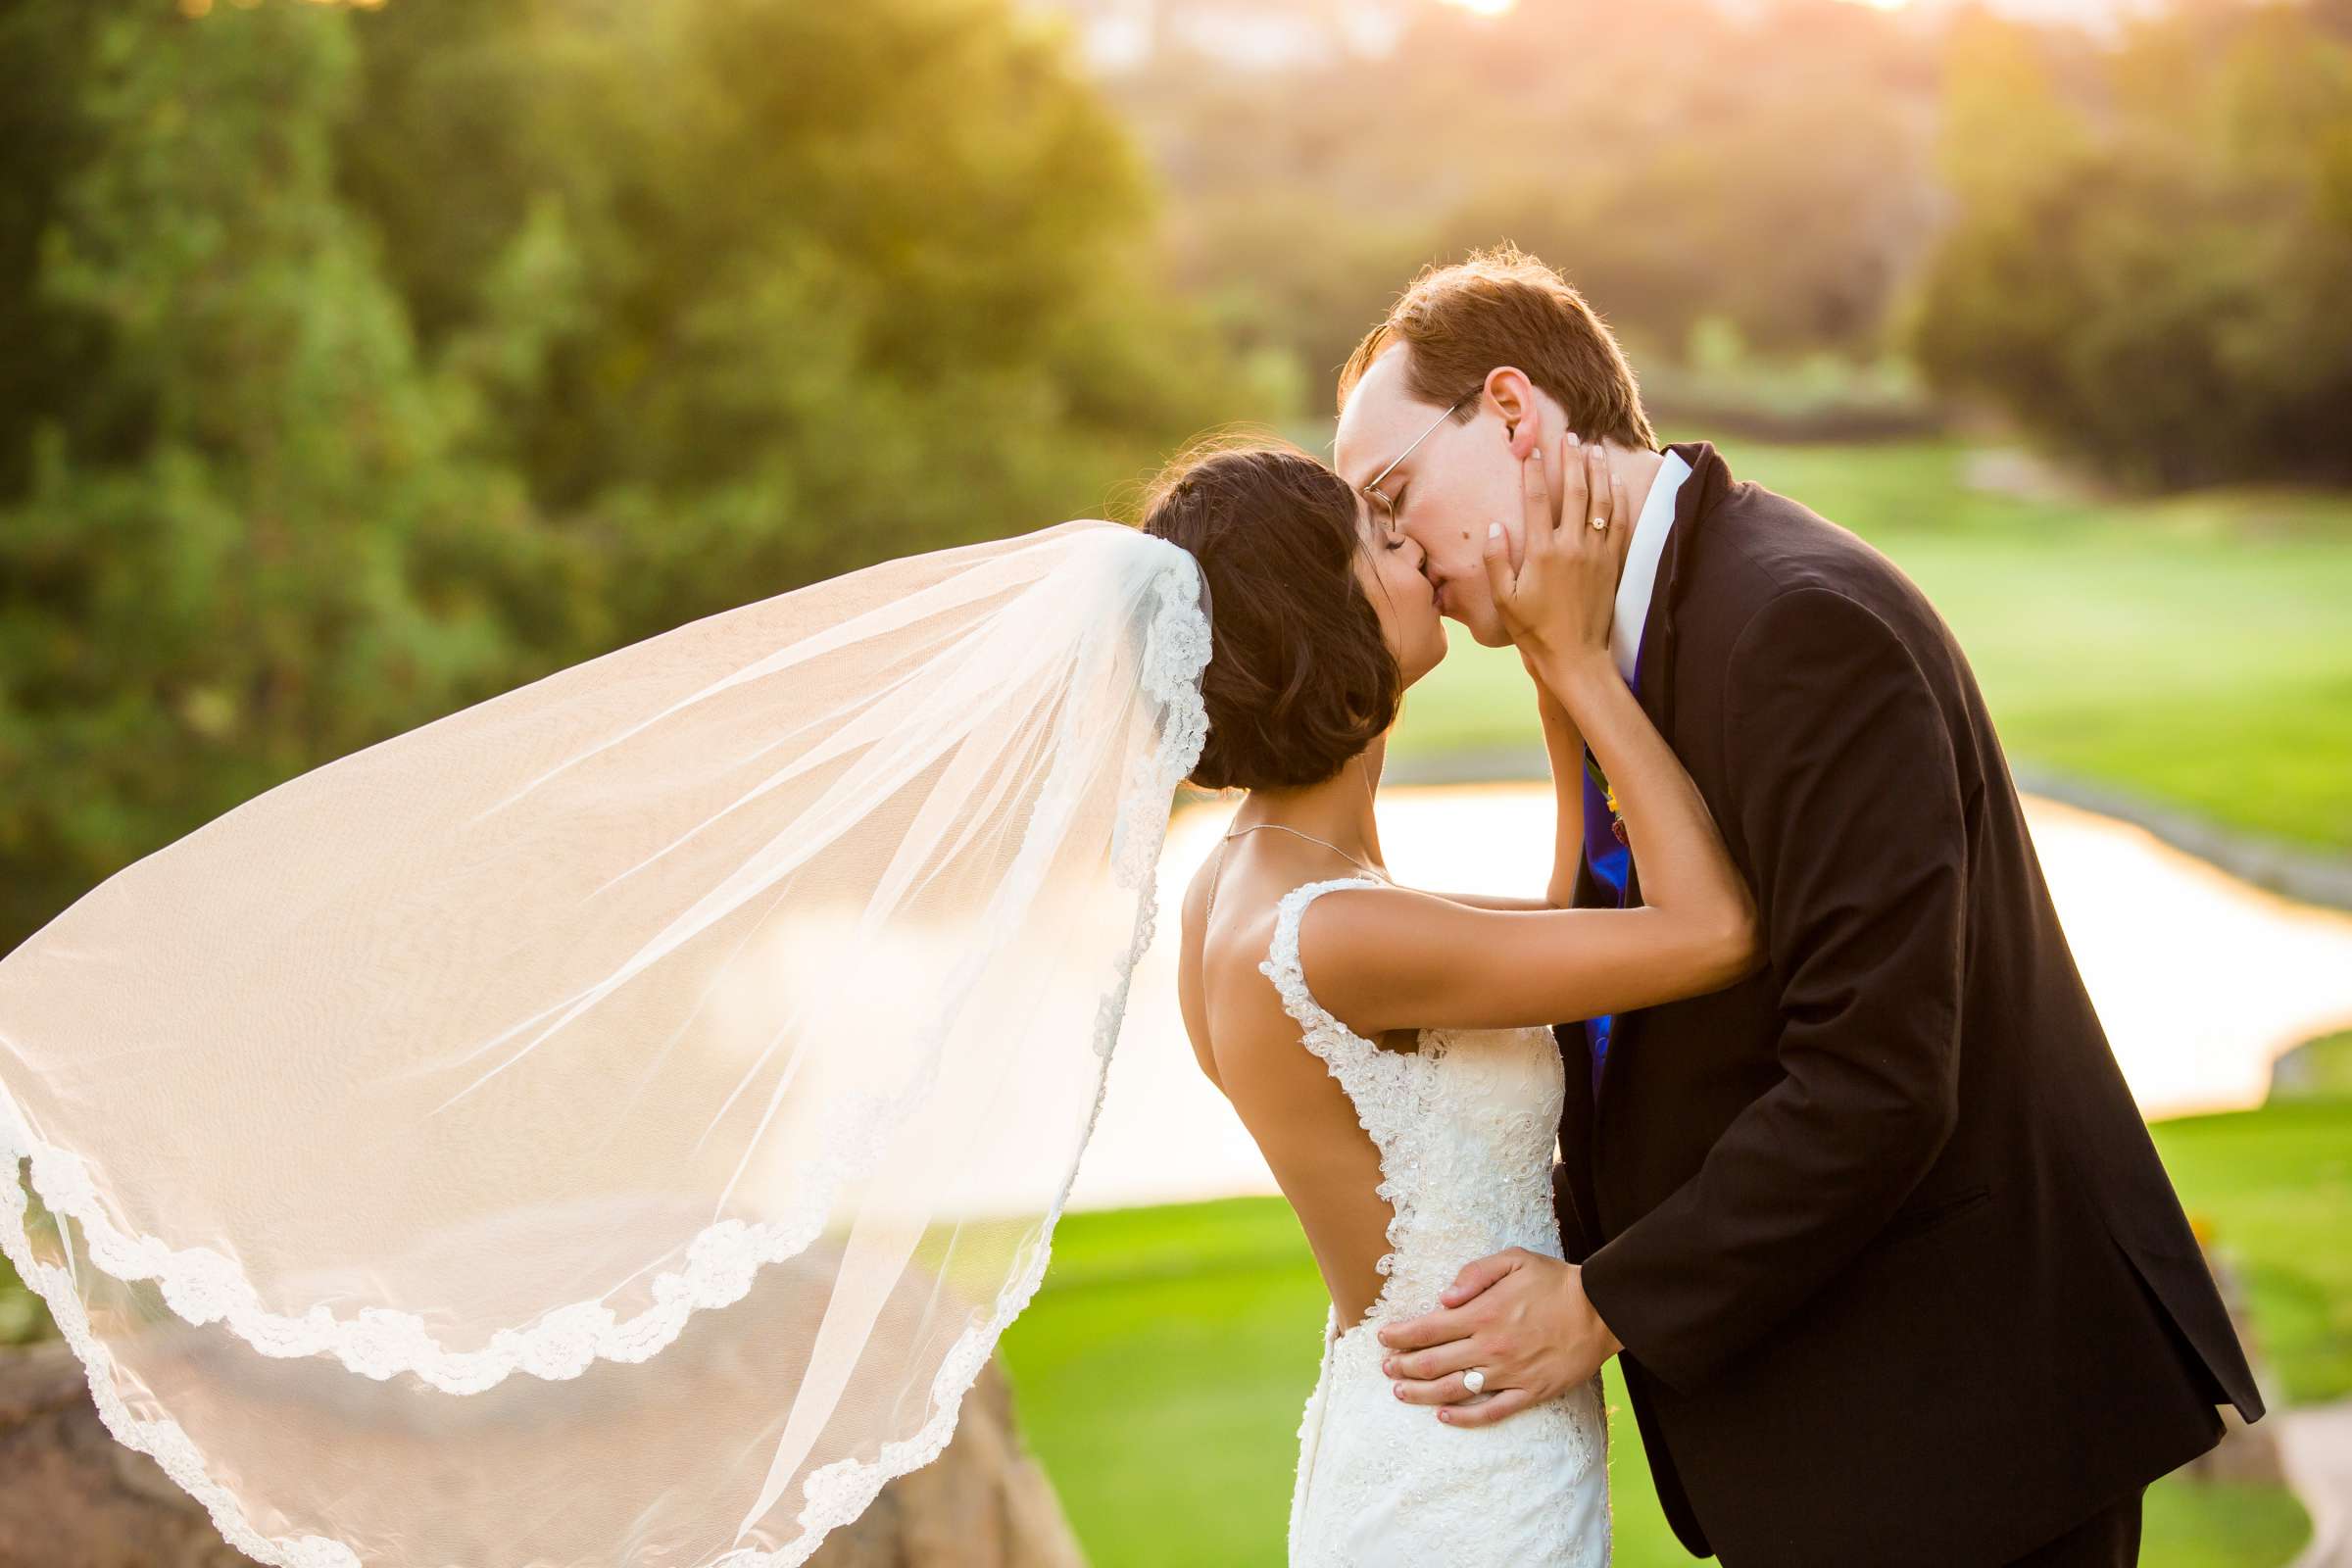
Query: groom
[[1878, 1235]]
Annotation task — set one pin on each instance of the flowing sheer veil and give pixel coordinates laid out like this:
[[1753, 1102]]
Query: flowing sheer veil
[[611, 1124]]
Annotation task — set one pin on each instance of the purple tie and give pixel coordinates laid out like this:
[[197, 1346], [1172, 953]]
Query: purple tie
[[1610, 862]]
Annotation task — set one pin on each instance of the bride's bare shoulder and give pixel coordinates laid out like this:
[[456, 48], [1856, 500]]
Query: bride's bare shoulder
[[1247, 1034], [1227, 944], [1222, 914], [1228, 920], [1195, 897]]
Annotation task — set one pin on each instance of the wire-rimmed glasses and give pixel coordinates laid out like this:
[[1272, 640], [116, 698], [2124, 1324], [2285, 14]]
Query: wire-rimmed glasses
[[1384, 509]]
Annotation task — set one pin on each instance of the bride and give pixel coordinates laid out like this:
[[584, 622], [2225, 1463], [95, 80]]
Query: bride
[[614, 1123], [1398, 1072]]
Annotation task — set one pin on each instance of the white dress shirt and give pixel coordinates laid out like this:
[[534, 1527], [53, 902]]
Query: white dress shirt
[[1642, 559]]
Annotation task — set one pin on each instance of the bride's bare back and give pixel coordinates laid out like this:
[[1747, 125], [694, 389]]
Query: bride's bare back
[[1303, 1120]]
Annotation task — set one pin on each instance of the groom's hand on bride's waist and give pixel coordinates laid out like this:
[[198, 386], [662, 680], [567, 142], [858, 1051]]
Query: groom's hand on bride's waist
[[1519, 1319]]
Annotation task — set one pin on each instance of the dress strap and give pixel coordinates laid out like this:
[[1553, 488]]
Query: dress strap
[[1283, 964]]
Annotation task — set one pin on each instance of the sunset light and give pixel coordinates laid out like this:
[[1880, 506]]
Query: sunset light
[[648, 919]]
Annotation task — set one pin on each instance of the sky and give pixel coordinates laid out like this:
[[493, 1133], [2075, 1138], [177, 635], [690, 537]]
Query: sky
[[1120, 33], [2068, 9]]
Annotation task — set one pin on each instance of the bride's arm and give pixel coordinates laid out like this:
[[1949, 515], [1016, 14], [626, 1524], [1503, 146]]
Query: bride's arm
[[1389, 958], [1564, 745], [1394, 959]]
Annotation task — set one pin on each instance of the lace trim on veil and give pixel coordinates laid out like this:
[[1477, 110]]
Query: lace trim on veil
[[203, 1286], [1177, 653]]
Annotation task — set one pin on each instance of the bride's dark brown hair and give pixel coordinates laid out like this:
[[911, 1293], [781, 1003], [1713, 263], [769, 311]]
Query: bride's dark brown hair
[[1299, 678]]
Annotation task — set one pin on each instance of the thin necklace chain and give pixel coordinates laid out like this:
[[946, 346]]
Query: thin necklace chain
[[1218, 874], [1363, 771], [1309, 837]]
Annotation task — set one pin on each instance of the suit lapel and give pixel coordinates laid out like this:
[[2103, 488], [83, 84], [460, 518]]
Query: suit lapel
[[1691, 504], [1709, 479]]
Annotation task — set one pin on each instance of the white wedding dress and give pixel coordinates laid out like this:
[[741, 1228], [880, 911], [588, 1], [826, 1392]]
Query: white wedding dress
[[1465, 1130]]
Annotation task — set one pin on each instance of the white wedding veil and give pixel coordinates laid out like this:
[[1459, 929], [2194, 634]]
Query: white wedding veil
[[612, 1124]]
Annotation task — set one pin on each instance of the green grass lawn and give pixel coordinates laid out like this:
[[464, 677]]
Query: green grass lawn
[[2197, 653], [2322, 1069], [2274, 1187], [1162, 1370]]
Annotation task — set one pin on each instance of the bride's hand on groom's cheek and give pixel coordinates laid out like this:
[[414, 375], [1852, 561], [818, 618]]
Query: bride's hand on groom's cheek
[[1557, 600], [1518, 1317]]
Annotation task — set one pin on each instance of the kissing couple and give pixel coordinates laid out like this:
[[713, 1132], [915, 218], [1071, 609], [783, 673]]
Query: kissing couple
[[655, 1089], [1846, 1177]]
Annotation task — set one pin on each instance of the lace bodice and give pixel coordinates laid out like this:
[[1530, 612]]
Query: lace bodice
[[1465, 1127]]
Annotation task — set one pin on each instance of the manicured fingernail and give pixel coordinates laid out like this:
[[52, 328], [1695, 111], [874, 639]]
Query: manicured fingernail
[[1397, 1389], [1494, 530], [1572, 440], [1445, 1416]]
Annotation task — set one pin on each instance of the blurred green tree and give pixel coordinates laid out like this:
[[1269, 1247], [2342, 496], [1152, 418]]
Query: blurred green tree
[[2151, 262], [245, 540], [380, 361], [1682, 161], [812, 284]]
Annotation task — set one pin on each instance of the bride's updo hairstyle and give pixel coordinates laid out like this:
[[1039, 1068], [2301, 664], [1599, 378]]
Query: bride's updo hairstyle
[[1299, 676]]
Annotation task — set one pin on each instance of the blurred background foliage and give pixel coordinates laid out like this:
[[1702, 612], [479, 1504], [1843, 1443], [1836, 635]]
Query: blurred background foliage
[[2151, 262], [365, 363], [2134, 241], [362, 363]]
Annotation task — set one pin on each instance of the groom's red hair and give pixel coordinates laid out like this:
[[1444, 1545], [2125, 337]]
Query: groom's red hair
[[1505, 306]]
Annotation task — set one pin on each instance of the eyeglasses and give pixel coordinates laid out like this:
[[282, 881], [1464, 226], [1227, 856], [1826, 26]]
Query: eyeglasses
[[1383, 509]]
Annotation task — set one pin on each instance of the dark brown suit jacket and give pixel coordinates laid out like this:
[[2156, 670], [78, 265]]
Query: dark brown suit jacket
[[1899, 1276]]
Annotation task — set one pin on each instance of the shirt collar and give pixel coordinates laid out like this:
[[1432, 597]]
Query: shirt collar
[[1642, 560]]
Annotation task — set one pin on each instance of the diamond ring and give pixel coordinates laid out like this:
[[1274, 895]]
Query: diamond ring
[[1600, 525], [1475, 1381]]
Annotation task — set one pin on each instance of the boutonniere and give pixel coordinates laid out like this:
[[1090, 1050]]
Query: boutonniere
[[1609, 792]]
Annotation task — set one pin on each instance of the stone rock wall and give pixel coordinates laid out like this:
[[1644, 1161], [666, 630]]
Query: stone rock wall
[[74, 1497]]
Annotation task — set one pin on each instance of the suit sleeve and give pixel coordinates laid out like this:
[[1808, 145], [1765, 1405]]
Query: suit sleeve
[[1848, 802]]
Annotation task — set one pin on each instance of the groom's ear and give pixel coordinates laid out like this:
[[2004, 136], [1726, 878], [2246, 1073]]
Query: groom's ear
[[1512, 396]]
